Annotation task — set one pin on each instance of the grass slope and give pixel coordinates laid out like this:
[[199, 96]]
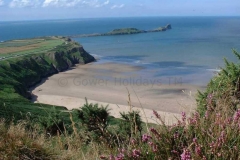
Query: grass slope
[[17, 48], [19, 73]]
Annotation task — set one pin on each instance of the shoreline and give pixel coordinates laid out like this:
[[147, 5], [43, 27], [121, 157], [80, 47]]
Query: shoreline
[[95, 81], [114, 109]]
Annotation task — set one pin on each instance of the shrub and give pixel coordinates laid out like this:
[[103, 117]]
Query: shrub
[[52, 122], [131, 125], [213, 137], [223, 86], [94, 119]]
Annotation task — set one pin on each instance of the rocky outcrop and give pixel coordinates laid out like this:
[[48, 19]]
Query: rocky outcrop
[[30, 70], [160, 29], [168, 26]]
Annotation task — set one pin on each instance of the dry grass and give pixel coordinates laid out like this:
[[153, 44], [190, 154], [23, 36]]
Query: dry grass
[[17, 143], [23, 46], [7, 50]]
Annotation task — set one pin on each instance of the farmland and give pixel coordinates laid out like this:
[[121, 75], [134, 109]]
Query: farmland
[[16, 48]]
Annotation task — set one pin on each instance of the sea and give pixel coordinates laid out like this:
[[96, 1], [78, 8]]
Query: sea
[[191, 52]]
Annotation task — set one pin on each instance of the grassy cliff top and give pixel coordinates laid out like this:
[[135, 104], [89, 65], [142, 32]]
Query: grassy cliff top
[[124, 31], [18, 48]]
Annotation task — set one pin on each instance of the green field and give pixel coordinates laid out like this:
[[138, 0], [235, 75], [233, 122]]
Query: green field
[[16, 48]]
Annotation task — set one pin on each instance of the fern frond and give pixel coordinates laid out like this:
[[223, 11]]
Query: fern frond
[[236, 53], [226, 62]]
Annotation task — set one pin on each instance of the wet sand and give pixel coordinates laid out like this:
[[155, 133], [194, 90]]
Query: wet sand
[[110, 84]]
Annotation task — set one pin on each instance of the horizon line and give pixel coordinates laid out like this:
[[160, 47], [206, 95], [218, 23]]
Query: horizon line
[[57, 19]]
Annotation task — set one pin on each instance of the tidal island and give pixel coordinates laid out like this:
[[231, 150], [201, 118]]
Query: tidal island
[[124, 31]]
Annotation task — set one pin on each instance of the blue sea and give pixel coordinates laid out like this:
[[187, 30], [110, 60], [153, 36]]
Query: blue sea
[[193, 50]]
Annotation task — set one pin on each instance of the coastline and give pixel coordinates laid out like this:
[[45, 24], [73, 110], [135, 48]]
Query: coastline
[[109, 84], [114, 109]]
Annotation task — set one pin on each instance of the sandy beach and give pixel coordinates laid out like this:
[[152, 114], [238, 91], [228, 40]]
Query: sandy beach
[[110, 83]]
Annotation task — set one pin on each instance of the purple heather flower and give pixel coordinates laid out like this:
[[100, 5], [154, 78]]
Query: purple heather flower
[[192, 121], [156, 114], [183, 116], [103, 157], [174, 152], [206, 114], [229, 120], [154, 148], [121, 150], [196, 116], [150, 143], [176, 135], [198, 150], [212, 145], [133, 141], [111, 157], [222, 138], [154, 131], [136, 153], [186, 155], [195, 140], [209, 98], [146, 138], [218, 117], [237, 116], [119, 157]]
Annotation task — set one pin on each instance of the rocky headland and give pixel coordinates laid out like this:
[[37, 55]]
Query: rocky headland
[[124, 31]]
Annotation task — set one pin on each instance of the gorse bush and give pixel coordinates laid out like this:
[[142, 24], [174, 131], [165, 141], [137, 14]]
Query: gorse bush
[[94, 119], [94, 122], [132, 124], [52, 122], [225, 85]]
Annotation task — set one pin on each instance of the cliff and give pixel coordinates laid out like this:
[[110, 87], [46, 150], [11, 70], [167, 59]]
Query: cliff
[[30, 70], [20, 73]]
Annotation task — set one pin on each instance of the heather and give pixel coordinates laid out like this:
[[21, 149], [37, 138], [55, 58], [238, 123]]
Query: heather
[[210, 132]]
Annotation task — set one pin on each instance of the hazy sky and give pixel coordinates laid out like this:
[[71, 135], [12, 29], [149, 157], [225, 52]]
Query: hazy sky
[[63, 9]]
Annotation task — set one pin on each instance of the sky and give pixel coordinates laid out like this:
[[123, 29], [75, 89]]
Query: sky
[[68, 9]]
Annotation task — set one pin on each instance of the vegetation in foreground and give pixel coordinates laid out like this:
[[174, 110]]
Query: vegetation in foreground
[[212, 132]]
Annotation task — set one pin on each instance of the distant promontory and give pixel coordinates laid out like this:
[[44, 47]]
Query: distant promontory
[[124, 31]]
